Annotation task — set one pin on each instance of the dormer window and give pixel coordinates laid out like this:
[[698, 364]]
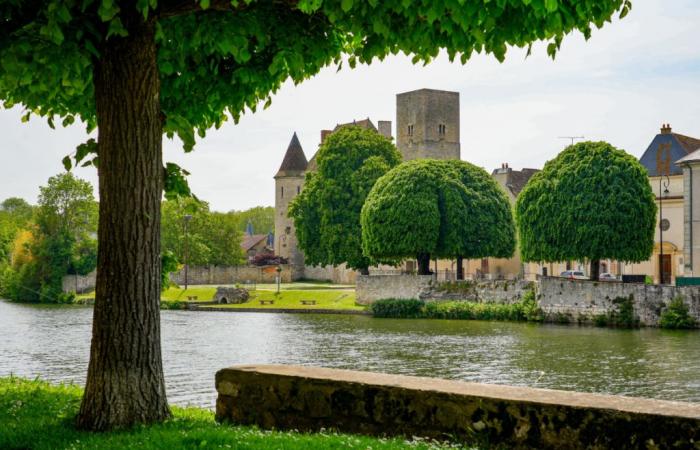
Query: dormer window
[[410, 130]]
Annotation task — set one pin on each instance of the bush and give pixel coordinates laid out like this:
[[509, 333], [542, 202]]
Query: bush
[[623, 317], [397, 308], [268, 259], [676, 316]]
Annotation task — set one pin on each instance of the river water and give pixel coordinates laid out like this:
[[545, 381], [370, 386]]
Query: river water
[[53, 343]]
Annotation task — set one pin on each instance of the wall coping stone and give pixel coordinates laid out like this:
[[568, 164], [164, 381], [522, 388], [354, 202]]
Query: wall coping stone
[[494, 391], [312, 399]]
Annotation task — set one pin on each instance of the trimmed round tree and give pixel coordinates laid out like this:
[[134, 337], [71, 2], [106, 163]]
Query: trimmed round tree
[[592, 202], [327, 212], [139, 69], [433, 208]]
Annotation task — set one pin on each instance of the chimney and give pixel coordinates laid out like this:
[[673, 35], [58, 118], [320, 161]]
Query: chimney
[[666, 128], [384, 128], [325, 134]]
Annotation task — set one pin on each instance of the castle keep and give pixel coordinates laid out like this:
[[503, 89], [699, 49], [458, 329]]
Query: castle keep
[[427, 126]]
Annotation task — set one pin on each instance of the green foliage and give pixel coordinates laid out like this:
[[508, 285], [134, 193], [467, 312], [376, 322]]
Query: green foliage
[[262, 218], [524, 310], [212, 238], [40, 416], [169, 264], [327, 212], [15, 214], [236, 55], [442, 208], [592, 202], [622, 316], [676, 316]]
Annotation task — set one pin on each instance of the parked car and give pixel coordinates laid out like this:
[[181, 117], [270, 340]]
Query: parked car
[[607, 277], [574, 275]]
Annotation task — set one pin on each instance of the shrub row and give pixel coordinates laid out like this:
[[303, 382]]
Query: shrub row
[[524, 310]]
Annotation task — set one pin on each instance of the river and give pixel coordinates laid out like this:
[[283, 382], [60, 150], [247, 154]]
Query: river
[[52, 342]]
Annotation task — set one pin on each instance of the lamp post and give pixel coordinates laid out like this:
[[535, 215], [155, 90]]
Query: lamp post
[[661, 224], [186, 255]]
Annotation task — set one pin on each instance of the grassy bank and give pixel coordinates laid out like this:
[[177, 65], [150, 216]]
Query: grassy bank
[[36, 415], [325, 299], [525, 310]]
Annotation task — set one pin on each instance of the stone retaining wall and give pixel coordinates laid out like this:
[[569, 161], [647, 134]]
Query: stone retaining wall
[[79, 283], [582, 300], [311, 399], [231, 274], [370, 288]]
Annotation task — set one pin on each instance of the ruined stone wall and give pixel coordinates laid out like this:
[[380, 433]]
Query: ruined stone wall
[[581, 300], [370, 288], [312, 399], [231, 274], [79, 284], [337, 275]]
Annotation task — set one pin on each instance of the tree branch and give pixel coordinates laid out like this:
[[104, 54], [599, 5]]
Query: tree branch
[[182, 7]]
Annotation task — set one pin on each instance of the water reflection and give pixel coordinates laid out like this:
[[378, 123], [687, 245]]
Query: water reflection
[[53, 343]]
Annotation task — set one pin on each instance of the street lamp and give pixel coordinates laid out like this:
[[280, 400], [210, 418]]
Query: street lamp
[[661, 224], [186, 255]]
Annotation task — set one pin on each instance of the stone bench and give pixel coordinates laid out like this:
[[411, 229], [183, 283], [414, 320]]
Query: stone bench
[[308, 302], [310, 399], [267, 302]]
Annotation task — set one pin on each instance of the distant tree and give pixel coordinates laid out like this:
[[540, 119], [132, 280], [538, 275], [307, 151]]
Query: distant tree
[[141, 68], [327, 212], [591, 202], [430, 208], [212, 238], [18, 208], [262, 218], [67, 204]]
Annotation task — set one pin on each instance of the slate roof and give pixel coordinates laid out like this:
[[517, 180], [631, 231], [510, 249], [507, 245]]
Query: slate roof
[[365, 123], [668, 147], [251, 240], [294, 162], [516, 179]]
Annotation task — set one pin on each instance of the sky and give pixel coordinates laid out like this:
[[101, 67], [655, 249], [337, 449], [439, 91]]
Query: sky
[[620, 86]]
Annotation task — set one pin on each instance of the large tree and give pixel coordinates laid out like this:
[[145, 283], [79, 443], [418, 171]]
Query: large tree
[[592, 202], [430, 208], [327, 212], [136, 69]]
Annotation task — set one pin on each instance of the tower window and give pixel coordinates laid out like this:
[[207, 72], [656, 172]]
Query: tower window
[[410, 130], [441, 129], [282, 192], [298, 189]]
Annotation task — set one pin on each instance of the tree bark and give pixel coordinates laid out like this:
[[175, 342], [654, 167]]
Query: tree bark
[[125, 383], [424, 264], [595, 269], [460, 268]]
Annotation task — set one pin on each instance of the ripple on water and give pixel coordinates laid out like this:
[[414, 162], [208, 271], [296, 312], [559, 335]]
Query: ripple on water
[[53, 343]]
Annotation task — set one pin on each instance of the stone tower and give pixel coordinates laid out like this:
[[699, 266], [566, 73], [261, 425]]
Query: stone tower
[[289, 182], [427, 124]]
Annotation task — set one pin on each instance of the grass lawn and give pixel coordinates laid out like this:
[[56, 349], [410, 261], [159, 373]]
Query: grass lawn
[[291, 299], [37, 415]]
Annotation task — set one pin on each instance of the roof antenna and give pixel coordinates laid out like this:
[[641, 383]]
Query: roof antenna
[[571, 137]]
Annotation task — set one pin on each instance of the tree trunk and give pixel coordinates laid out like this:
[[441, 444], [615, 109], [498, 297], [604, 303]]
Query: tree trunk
[[125, 383], [460, 268], [595, 269], [424, 264], [364, 271]]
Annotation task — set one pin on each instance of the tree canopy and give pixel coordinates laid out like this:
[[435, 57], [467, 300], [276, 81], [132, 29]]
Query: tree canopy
[[592, 202], [137, 69], [327, 212], [431, 208]]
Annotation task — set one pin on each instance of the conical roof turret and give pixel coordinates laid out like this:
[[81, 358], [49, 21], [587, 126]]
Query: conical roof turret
[[294, 163]]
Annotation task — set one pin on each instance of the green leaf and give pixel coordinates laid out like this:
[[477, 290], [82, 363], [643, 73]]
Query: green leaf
[[67, 164]]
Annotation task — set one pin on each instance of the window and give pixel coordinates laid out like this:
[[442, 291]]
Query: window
[[282, 192], [441, 129], [410, 130], [298, 189]]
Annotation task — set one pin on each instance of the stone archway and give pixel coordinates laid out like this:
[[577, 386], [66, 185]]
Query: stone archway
[[223, 301]]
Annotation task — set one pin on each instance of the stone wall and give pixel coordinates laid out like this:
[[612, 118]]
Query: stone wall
[[369, 288], [337, 275], [312, 399], [377, 287], [79, 283], [581, 300], [231, 274]]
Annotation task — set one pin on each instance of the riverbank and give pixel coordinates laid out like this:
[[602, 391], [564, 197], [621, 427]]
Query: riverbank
[[37, 415]]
